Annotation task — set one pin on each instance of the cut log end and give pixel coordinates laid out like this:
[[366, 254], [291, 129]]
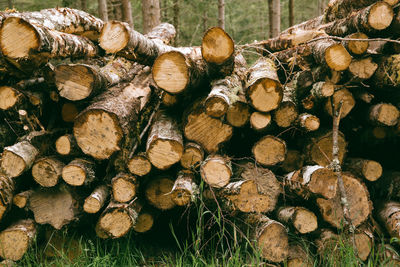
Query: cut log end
[[358, 47], [216, 171], [12, 164], [216, 107], [78, 172], [145, 222], [47, 171], [192, 155], [269, 150], [63, 145], [9, 97], [305, 221], [294, 161], [164, 153], [217, 46], [286, 114], [274, 236], [265, 95], [363, 68], [309, 122], [260, 121], [69, 111], [158, 193], [114, 37], [96, 200], [17, 38], [337, 57], [171, 73], [114, 224], [124, 187], [74, 82], [98, 133], [385, 114], [380, 16], [320, 149], [238, 114], [139, 165]]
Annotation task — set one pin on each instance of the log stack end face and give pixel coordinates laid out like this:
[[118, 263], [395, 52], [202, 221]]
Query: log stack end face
[[380, 16], [98, 133], [217, 46], [171, 72], [17, 38], [337, 57], [269, 150], [114, 37]]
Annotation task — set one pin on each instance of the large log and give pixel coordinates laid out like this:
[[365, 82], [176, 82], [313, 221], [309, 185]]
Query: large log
[[16, 239], [20, 39]]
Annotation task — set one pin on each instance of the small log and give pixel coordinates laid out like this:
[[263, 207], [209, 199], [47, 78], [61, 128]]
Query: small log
[[117, 219], [362, 95], [69, 112], [368, 169], [216, 171], [185, 190], [145, 221], [321, 90], [269, 150], [356, 47], [238, 113], [100, 128], [124, 187], [18, 158], [11, 98], [287, 112], [294, 160], [7, 190], [358, 201], [362, 69], [79, 172], [21, 200], [298, 257], [264, 90], [96, 200], [164, 145], [192, 156], [303, 220], [16, 239], [206, 131], [364, 242], [308, 122], [169, 100], [36, 40], [318, 148], [270, 237], [66, 145], [47, 171], [260, 121], [384, 114], [139, 164], [311, 181], [61, 244], [54, 206], [256, 191], [158, 193], [331, 53]]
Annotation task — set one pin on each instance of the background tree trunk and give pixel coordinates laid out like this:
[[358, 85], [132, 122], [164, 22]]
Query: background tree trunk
[[151, 14], [176, 21], [221, 14], [321, 7], [103, 10], [83, 5], [127, 12], [274, 10], [291, 13], [10, 4]]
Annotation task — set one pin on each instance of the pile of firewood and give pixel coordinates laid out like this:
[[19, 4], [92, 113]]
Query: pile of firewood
[[101, 121]]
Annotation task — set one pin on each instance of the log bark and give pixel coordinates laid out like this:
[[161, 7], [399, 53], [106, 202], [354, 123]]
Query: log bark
[[312, 181], [157, 193], [102, 9], [389, 215], [185, 190], [256, 191], [358, 201], [369, 169], [216, 171], [193, 155], [139, 164], [274, 7], [96, 200], [66, 145], [384, 114], [264, 90], [40, 42], [386, 74], [127, 12], [331, 53], [124, 187], [79, 172], [117, 219], [269, 150], [16, 239], [164, 145], [47, 171], [308, 122], [101, 127], [151, 14], [221, 14], [7, 190], [206, 131], [18, 158], [54, 206], [287, 112], [21, 200], [303, 220], [318, 148]]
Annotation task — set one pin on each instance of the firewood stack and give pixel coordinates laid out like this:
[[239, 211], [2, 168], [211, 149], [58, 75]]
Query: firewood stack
[[101, 121]]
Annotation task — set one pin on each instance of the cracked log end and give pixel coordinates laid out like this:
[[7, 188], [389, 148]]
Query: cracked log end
[[217, 46], [98, 133], [380, 16], [114, 37], [269, 150], [74, 82], [337, 57], [18, 38], [171, 72]]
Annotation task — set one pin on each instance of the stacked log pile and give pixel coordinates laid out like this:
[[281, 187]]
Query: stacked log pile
[[99, 121]]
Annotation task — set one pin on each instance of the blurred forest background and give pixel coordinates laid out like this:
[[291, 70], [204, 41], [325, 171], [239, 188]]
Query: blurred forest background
[[245, 20]]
